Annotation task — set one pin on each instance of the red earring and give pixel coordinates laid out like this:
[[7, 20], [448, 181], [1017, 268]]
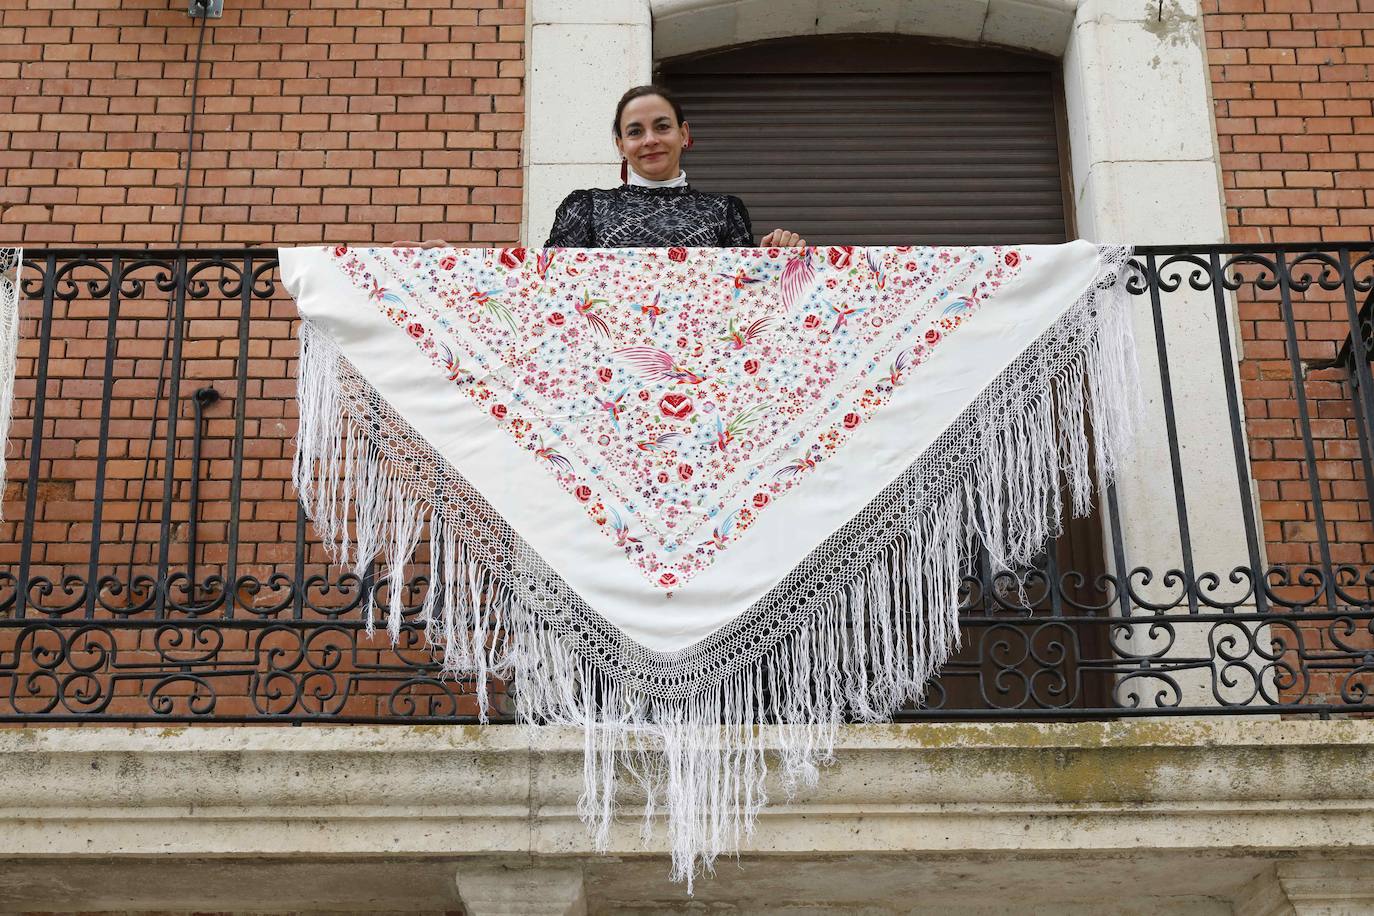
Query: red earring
[[624, 171]]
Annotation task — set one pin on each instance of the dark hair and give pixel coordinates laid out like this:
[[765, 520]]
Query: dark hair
[[639, 92]]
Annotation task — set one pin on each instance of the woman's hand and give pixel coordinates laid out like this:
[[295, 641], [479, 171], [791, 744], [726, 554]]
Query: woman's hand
[[781, 238], [432, 243]]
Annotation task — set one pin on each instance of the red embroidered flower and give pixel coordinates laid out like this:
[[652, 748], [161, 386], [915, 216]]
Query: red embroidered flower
[[841, 255], [667, 580], [662, 476], [684, 471], [556, 319], [932, 336], [761, 500], [498, 411], [751, 366], [811, 322], [644, 394], [448, 262], [677, 253], [512, 257], [1012, 258], [604, 374], [581, 256], [583, 492], [415, 330], [851, 420], [339, 250], [676, 406]]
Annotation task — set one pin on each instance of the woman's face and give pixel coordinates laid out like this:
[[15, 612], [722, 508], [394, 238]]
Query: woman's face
[[651, 138]]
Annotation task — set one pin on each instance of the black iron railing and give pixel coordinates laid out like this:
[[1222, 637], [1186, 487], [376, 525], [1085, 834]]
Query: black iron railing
[[155, 565]]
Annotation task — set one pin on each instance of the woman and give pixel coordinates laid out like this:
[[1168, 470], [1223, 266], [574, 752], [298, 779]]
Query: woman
[[655, 207]]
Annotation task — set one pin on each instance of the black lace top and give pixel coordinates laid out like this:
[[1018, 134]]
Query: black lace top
[[632, 216]]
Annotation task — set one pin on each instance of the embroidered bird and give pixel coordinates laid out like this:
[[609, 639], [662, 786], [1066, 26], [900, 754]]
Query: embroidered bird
[[585, 309], [726, 432], [543, 261], [962, 304], [622, 530], [796, 277], [842, 312], [875, 264], [655, 365], [658, 443], [898, 369], [455, 371], [652, 310], [721, 532], [487, 301], [739, 339], [612, 407], [378, 293], [551, 455], [739, 280], [804, 463]]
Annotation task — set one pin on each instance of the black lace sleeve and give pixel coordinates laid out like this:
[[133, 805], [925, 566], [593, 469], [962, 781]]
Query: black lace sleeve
[[572, 224], [738, 231]]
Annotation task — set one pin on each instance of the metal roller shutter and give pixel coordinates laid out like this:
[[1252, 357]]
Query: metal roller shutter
[[961, 155]]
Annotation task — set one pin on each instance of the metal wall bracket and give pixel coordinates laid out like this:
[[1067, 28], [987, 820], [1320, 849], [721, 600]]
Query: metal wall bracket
[[206, 9]]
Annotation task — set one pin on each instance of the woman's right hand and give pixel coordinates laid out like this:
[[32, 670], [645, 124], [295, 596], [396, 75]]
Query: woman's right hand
[[432, 243]]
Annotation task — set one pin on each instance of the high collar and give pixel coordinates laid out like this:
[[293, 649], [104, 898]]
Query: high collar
[[639, 181]]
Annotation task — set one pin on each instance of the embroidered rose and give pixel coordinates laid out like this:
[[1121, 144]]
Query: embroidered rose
[[751, 366], [761, 500], [604, 374], [667, 580], [448, 262], [498, 411], [676, 406], [583, 492], [811, 322], [1012, 258], [841, 255], [556, 319], [684, 471], [662, 477], [644, 394], [851, 420], [932, 336], [339, 250], [512, 257], [415, 330], [677, 253]]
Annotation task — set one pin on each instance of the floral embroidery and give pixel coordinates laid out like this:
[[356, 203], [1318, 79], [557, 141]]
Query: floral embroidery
[[677, 393]]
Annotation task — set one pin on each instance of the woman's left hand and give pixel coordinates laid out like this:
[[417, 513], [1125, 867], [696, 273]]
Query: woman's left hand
[[781, 238]]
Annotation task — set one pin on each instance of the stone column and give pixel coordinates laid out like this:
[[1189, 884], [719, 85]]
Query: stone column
[[514, 890]]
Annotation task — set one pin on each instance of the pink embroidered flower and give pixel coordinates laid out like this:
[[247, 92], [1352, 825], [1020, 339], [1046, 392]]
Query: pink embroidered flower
[[851, 420], [667, 580], [512, 257], [677, 253], [841, 256], [583, 492], [556, 319], [448, 262], [751, 366], [415, 330], [811, 322], [684, 471], [1012, 258], [498, 411], [676, 406], [604, 374], [662, 477], [761, 500], [644, 394], [932, 336]]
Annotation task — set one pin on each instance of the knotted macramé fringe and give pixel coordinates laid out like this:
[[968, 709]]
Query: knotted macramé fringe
[[10, 259], [864, 653]]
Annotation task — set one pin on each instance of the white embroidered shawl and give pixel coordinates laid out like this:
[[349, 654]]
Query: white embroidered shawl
[[696, 490]]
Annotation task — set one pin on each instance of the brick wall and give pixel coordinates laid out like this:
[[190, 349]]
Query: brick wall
[[1293, 83], [354, 120]]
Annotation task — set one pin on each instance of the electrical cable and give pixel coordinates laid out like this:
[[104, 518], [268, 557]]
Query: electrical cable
[[167, 327]]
